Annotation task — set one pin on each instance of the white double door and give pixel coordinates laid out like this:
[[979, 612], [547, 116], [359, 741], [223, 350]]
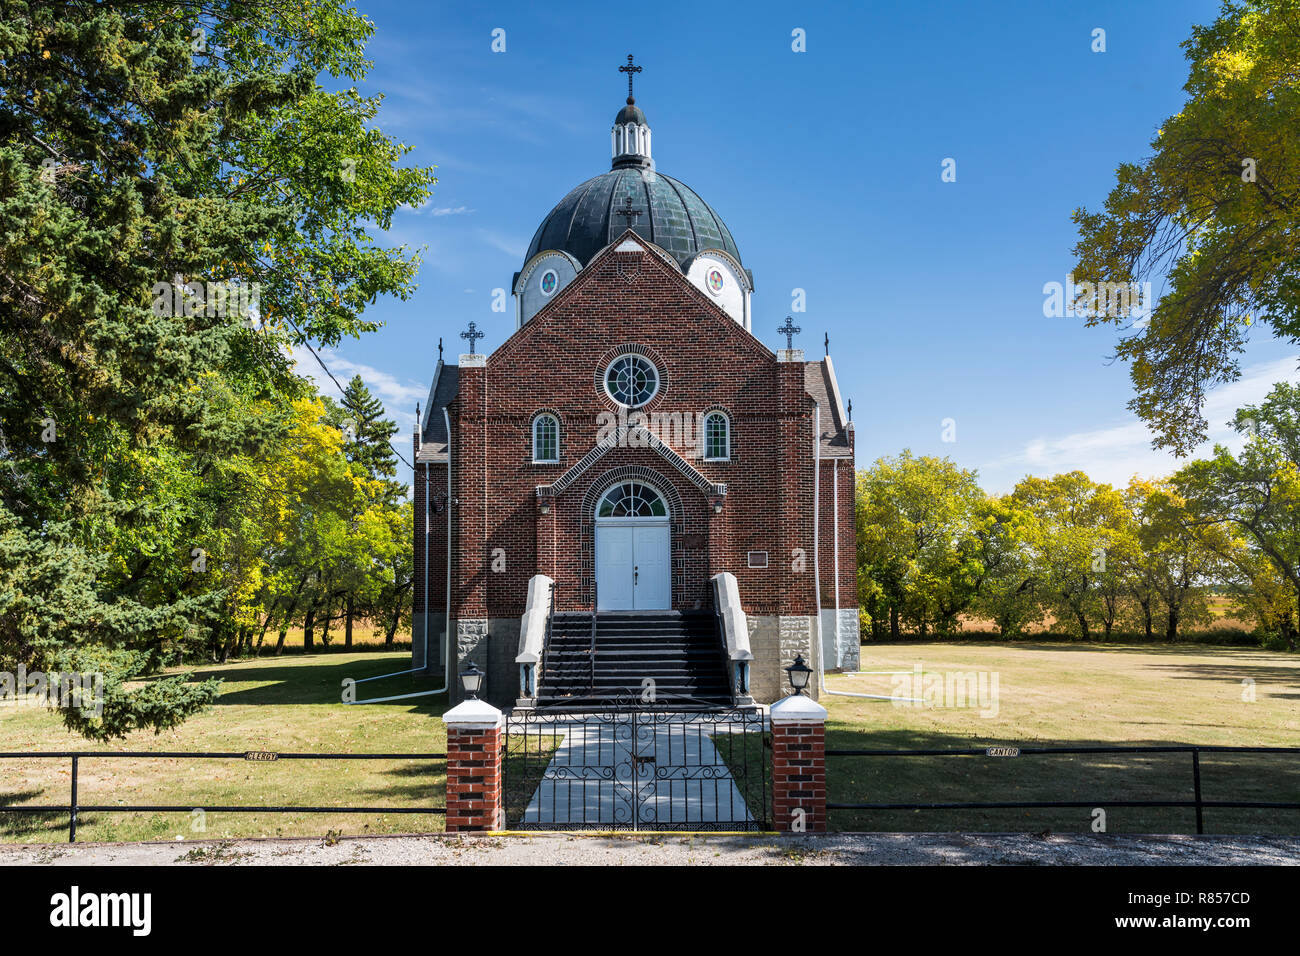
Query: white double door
[[633, 565]]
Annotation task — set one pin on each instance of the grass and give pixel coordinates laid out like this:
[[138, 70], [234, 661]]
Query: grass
[[287, 704], [1049, 693], [1071, 695]]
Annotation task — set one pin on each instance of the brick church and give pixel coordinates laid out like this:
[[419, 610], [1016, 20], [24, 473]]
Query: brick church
[[633, 494]]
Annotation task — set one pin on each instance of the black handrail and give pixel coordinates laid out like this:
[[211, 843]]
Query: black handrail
[[74, 807], [591, 649]]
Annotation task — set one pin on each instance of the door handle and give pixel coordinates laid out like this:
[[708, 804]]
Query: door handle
[[635, 575]]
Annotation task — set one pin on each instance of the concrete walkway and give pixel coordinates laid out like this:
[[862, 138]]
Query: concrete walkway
[[638, 772]]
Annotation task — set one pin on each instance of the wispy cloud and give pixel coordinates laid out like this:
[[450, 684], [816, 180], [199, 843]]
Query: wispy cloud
[[399, 397], [1117, 452]]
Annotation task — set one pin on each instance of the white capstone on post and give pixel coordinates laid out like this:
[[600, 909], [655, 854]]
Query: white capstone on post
[[474, 785], [798, 765]]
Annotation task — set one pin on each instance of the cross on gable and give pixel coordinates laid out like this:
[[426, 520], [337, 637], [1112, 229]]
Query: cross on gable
[[629, 70], [628, 213], [789, 330], [472, 335]]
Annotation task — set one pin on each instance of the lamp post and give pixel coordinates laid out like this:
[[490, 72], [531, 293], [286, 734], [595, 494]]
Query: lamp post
[[798, 672], [471, 679]]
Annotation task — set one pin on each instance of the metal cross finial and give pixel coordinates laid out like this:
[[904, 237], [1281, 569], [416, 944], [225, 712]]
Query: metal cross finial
[[440, 348], [789, 330], [828, 342], [850, 409], [473, 334], [628, 213], [629, 70]]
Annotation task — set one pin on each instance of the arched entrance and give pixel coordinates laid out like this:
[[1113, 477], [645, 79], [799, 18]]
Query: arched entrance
[[633, 549]]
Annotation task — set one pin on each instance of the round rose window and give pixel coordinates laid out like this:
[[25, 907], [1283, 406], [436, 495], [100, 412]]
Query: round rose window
[[549, 281], [715, 280]]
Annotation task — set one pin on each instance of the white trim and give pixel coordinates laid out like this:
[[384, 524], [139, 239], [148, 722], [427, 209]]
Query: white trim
[[537, 420], [727, 437]]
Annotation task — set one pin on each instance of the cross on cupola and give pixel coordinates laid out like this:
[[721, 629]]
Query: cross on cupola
[[628, 213], [630, 70], [789, 330], [472, 335]]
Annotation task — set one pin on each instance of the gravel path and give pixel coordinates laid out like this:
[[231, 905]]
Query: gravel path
[[550, 849]]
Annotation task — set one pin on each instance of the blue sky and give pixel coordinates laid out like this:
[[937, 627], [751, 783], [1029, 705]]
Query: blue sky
[[826, 167]]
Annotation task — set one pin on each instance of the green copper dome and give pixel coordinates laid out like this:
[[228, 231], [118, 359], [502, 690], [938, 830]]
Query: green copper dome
[[662, 210]]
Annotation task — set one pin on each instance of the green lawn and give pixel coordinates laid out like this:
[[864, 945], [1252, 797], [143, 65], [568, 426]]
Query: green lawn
[[1049, 693], [1071, 695], [287, 704]]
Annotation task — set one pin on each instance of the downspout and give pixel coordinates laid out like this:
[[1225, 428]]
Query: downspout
[[835, 477], [446, 674], [821, 660]]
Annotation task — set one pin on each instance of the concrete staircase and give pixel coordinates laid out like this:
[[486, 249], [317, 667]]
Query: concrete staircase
[[680, 651]]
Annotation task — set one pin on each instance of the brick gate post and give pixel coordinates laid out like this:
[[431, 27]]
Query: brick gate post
[[474, 794], [799, 765]]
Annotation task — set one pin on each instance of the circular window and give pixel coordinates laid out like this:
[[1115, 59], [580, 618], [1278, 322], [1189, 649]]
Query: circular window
[[632, 500], [631, 380], [549, 281], [715, 281]]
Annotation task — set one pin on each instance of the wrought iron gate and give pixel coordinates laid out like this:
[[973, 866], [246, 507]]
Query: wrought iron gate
[[628, 765]]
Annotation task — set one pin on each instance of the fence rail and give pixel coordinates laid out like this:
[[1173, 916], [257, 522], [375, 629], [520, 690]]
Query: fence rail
[[1198, 802], [74, 808]]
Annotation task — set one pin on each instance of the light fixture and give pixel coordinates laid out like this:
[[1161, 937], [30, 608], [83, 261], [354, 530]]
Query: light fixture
[[471, 679], [717, 506], [545, 507], [798, 672]]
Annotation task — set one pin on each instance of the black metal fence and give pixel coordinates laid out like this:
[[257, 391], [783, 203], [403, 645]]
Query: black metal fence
[[1197, 801], [74, 808], [629, 765]]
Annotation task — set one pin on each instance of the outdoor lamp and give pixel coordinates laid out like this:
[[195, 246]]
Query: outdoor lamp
[[799, 672], [472, 679]]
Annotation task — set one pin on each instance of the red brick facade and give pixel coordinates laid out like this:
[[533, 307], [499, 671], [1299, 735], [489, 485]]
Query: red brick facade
[[555, 363]]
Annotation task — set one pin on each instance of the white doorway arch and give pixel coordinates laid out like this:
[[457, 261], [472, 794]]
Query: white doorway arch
[[633, 549]]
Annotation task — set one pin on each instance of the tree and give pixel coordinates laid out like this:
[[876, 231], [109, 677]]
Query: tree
[[1079, 522], [159, 162], [1257, 492], [916, 536], [1215, 210], [1008, 592], [1176, 559]]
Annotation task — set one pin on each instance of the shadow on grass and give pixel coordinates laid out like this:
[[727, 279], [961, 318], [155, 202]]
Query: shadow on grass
[[321, 682]]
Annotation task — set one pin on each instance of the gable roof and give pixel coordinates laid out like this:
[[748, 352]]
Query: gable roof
[[819, 382], [433, 429]]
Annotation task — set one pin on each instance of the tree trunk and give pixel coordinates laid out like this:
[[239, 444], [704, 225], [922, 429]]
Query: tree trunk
[[325, 627], [1146, 617], [1083, 625], [1171, 632], [308, 634], [347, 626], [893, 621]]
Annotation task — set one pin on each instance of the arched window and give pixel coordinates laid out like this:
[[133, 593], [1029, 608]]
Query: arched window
[[717, 437], [631, 499], [546, 439]]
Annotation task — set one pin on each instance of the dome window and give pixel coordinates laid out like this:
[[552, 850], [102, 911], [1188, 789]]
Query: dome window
[[715, 281], [549, 283], [631, 380]]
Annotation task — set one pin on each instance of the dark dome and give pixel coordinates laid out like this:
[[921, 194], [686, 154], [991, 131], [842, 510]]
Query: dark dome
[[630, 114], [671, 216]]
